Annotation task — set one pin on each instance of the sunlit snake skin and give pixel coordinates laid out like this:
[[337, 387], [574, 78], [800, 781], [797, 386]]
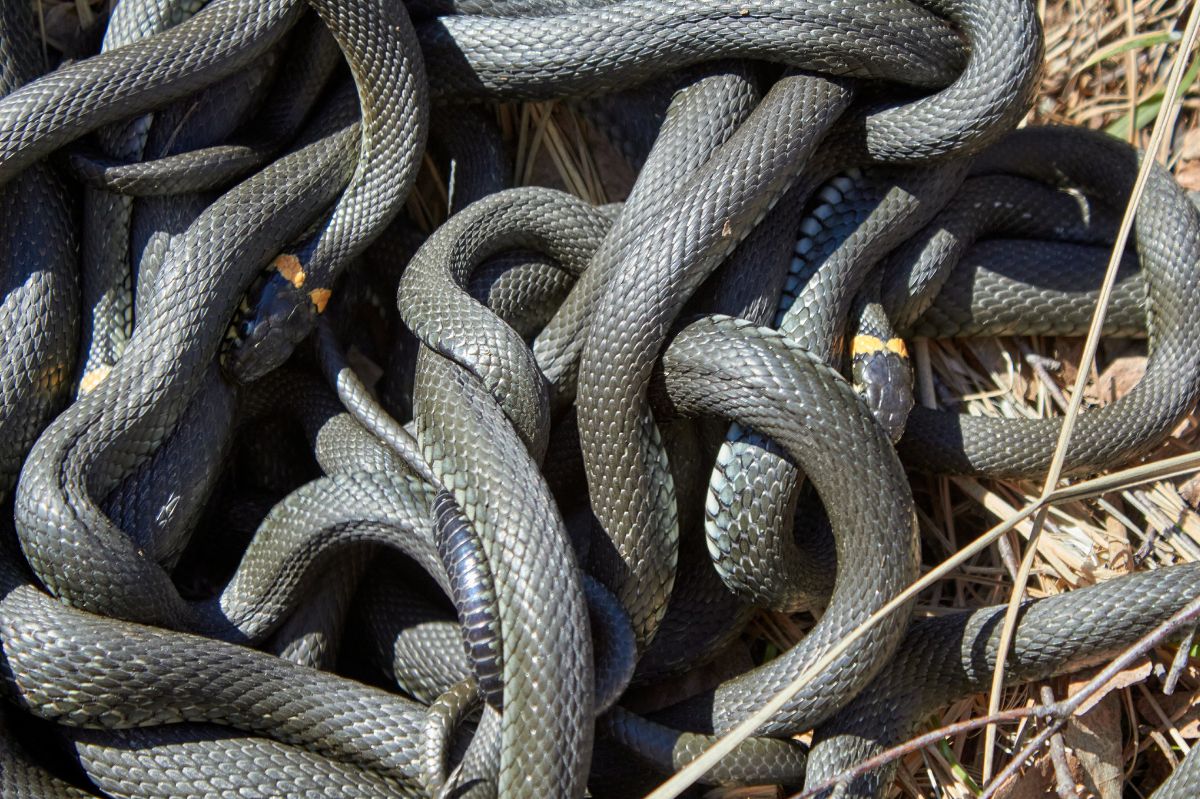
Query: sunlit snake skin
[[102, 437], [615, 45], [379, 43], [478, 456], [751, 493], [311, 56], [107, 218], [705, 110], [112, 86], [172, 677], [1005, 287], [191, 760], [620, 442], [705, 371], [39, 288], [1168, 243], [86, 506]]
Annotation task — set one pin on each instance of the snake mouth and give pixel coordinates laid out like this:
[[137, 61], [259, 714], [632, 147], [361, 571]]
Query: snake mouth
[[273, 318], [244, 322]]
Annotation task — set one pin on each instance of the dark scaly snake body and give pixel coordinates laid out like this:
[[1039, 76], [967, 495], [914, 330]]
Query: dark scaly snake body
[[75, 461], [617, 431], [39, 632], [1168, 243], [108, 218], [752, 487], [39, 292], [459, 387], [485, 401]]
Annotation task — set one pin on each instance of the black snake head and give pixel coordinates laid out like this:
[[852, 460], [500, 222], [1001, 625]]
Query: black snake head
[[882, 376], [278, 315]]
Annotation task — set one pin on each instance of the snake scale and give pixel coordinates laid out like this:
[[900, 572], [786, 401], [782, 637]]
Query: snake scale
[[307, 490]]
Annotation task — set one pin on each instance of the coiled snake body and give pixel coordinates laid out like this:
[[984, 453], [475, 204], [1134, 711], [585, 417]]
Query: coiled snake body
[[236, 567]]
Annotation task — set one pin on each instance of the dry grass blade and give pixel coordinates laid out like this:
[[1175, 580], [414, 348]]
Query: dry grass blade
[[1164, 123], [1131, 42], [1131, 83], [1159, 470]]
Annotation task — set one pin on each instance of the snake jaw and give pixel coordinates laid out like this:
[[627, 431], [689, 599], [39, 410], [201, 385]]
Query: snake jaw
[[267, 333]]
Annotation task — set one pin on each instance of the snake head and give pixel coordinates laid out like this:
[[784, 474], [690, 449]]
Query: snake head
[[882, 376], [278, 316]]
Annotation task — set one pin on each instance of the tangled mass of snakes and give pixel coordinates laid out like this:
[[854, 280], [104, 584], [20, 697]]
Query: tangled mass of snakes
[[302, 497]]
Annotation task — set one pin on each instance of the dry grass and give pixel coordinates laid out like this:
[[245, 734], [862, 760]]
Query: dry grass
[[1129, 741]]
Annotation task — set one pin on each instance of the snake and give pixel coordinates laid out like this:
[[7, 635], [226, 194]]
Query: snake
[[41, 284], [549, 523]]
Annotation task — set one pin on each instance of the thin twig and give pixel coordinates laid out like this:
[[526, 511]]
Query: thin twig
[[1162, 124], [684, 778], [1178, 663], [1058, 755], [920, 742], [1131, 83]]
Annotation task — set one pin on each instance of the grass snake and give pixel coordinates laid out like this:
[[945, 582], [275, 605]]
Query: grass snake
[[236, 560]]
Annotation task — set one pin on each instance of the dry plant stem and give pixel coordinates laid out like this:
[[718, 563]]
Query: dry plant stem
[[41, 18], [1165, 469], [86, 17], [1058, 755], [930, 738], [1164, 123], [1166, 725], [1131, 71], [684, 778], [1178, 663], [1014, 603], [1039, 364]]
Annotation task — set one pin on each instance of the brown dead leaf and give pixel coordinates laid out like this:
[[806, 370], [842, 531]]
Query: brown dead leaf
[[1188, 174], [992, 357], [1189, 146], [1095, 748], [1182, 706], [1133, 675], [1117, 544], [1116, 379], [1036, 782], [1068, 352]]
